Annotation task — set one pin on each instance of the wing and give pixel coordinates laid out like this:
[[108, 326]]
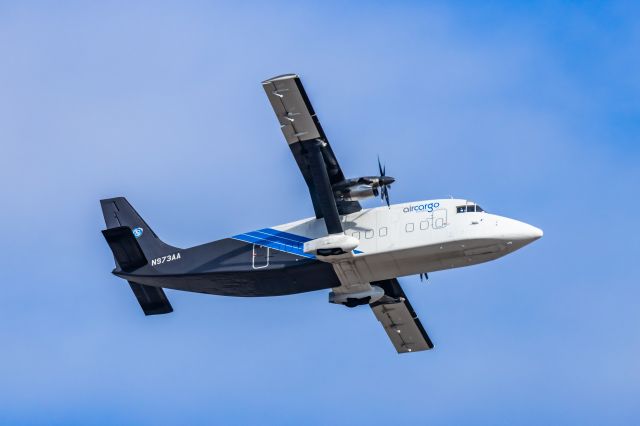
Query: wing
[[299, 123], [399, 319]]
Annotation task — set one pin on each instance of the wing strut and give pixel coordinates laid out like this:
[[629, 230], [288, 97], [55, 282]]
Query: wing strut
[[320, 178]]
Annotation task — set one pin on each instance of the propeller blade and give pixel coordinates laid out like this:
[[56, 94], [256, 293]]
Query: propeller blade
[[385, 188], [384, 182]]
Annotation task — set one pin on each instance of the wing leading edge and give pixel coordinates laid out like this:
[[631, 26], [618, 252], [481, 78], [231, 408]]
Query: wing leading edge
[[399, 319], [299, 124]]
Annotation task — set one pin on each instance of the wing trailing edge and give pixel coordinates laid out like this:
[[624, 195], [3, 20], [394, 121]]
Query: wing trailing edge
[[400, 321]]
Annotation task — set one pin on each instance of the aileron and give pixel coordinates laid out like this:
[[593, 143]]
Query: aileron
[[292, 107]]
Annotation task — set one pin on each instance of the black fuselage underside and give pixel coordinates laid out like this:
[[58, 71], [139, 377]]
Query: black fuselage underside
[[229, 267]]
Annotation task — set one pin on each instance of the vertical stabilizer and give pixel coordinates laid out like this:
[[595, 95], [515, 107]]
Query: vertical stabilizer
[[119, 213], [133, 244]]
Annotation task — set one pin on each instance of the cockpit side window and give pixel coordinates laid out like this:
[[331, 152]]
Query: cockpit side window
[[470, 208]]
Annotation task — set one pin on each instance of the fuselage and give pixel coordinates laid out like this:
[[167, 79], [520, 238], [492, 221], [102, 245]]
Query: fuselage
[[400, 240], [425, 236]]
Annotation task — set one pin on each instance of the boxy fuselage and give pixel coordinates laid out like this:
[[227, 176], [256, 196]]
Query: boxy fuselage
[[400, 240]]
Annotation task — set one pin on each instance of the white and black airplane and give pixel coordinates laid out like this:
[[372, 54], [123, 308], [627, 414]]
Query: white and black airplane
[[357, 253]]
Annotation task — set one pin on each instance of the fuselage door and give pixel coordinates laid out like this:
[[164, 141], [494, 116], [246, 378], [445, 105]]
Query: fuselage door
[[260, 256]]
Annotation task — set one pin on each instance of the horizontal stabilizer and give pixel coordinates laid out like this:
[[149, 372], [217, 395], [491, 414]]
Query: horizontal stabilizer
[[125, 248], [152, 300]]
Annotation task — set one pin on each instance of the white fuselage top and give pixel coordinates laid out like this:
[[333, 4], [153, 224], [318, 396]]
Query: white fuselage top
[[423, 236]]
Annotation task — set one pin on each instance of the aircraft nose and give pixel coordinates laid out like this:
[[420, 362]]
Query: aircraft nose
[[531, 232], [525, 232], [515, 230]]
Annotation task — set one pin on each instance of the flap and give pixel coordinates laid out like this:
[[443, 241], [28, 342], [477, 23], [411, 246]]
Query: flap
[[399, 319]]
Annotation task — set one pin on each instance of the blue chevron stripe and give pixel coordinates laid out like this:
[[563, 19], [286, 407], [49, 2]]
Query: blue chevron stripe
[[278, 240], [285, 235]]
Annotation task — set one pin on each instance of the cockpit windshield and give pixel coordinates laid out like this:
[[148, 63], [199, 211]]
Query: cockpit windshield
[[469, 208]]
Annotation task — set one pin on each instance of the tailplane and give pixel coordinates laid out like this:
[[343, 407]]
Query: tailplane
[[133, 243]]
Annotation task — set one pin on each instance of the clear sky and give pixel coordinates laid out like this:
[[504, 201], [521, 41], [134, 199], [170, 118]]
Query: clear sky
[[530, 109]]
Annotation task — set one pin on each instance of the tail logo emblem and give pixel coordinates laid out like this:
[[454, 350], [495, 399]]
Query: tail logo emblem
[[137, 232]]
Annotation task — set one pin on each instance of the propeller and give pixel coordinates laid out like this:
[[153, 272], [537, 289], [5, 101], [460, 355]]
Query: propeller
[[385, 183]]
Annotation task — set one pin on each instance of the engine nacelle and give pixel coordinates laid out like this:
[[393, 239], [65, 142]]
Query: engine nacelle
[[356, 189], [331, 245], [358, 192]]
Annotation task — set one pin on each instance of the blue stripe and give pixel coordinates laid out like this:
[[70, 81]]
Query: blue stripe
[[278, 240], [266, 241], [282, 241], [284, 235]]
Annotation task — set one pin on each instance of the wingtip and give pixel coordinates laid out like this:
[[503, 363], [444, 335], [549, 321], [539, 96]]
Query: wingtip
[[112, 199], [280, 77]]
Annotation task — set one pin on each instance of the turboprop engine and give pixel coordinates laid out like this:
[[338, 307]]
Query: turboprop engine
[[363, 187]]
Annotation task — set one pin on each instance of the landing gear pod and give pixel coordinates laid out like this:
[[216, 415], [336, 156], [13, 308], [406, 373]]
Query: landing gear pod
[[331, 245]]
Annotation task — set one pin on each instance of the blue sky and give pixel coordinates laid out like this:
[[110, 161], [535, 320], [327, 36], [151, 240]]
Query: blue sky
[[530, 109]]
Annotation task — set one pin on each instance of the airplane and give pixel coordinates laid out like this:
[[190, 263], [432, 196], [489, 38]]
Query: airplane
[[357, 253]]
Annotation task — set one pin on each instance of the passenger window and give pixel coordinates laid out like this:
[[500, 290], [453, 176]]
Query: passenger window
[[424, 225], [409, 227], [356, 234], [368, 233], [382, 231]]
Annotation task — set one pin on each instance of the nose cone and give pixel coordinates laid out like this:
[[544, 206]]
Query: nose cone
[[520, 232], [535, 233], [386, 180]]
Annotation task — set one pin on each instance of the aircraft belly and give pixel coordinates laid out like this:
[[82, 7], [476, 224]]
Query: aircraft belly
[[309, 277], [235, 268], [416, 260]]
